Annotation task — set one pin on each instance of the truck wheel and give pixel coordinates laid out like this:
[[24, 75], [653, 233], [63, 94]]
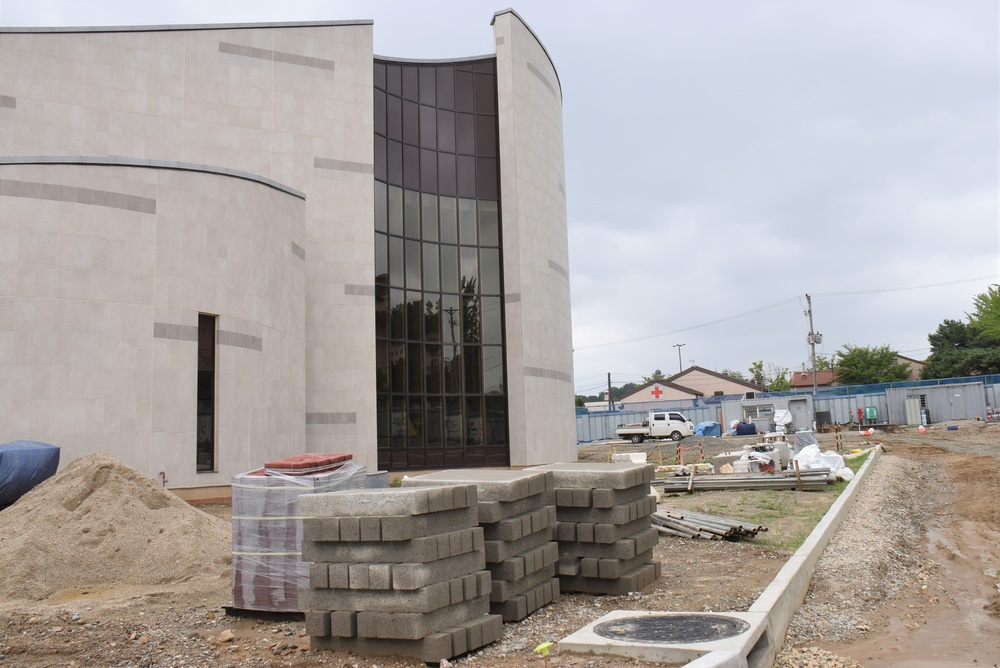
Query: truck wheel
[[675, 436], [636, 438]]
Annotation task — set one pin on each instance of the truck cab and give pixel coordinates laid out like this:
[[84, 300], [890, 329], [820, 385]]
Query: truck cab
[[660, 424]]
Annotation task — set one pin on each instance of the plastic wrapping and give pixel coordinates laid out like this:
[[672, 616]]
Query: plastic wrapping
[[24, 464], [267, 532]]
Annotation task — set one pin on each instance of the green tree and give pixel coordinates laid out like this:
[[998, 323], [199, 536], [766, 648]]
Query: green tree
[[781, 382], [961, 349], [862, 365], [580, 401], [657, 375], [733, 373]]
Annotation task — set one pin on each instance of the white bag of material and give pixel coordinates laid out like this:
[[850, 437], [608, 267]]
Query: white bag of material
[[845, 474], [810, 458], [833, 460]]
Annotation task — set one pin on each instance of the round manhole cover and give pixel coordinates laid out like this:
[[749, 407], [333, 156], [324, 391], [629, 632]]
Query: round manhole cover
[[672, 628]]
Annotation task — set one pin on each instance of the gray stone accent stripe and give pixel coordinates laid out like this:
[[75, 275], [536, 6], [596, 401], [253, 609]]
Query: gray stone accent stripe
[[166, 330], [364, 290], [512, 297], [562, 188], [8, 102], [331, 418], [276, 56], [117, 161], [298, 251], [555, 266], [239, 340], [344, 165], [500, 40], [548, 373], [538, 73], [62, 193]]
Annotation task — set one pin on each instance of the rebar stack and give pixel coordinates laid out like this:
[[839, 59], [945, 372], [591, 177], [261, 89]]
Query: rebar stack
[[692, 524]]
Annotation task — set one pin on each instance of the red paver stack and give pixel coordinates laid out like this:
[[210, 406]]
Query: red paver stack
[[267, 528]]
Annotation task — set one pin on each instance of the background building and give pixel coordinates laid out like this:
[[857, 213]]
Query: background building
[[221, 245]]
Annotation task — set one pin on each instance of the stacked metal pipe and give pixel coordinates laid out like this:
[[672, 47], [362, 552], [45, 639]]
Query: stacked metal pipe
[[692, 524], [804, 479]]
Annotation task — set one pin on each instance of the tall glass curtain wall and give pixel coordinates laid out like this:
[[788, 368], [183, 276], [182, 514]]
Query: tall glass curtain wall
[[441, 381]]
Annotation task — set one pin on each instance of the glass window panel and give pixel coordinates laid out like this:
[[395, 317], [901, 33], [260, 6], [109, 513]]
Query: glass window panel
[[485, 66], [449, 220], [428, 170], [429, 217], [398, 426], [396, 262], [393, 118], [410, 82], [382, 366], [380, 111], [486, 136], [432, 282], [486, 94], [434, 423], [411, 213], [492, 331], [487, 181], [492, 370], [411, 167], [397, 314], [393, 80], [449, 269], [470, 270], [446, 131], [415, 369], [446, 87], [473, 420], [413, 264], [432, 370], [428, 86], [451, 315], [490, 283], [395, 210], [381, 311], [428, 127], [452, 366], [381, 259], [453, 421], [465, 134], [496, 421], [466, 172], [380, 159], [382, 422], [470, 321], [414, 316], [432, 318], [446, 174], [411, 123], [489, 224], [379, 75], [467, 222], [397, 367], [464, 93], [394, 163], [381, 208]]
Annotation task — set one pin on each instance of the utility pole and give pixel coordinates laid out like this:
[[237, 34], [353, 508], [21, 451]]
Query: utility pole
[[813, 339], [611, 401], [680, 367]]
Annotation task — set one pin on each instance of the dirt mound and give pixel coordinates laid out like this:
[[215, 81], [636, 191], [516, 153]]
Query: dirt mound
[[977, 497], [101, 524]]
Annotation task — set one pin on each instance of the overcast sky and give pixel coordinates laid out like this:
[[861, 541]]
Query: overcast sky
[[724, 159]]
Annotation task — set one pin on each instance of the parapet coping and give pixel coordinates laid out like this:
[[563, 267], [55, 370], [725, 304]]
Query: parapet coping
[[179, 27]]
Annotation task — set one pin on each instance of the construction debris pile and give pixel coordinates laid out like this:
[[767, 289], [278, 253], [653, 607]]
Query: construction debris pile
[[692, 524]]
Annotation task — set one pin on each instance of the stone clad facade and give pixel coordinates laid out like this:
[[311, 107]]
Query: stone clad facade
[[188, 252]]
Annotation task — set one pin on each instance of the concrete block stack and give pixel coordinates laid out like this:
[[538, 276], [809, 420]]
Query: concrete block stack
[[604, 531], [518, 519], [397, 572]]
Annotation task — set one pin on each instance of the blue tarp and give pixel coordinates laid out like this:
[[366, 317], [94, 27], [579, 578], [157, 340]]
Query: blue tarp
[[24, 464], [708, 429]]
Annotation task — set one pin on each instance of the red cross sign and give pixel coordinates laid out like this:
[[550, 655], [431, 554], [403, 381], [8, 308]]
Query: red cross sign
[[656, 392]]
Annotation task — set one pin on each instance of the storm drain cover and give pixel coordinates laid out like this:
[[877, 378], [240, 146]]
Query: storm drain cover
[[672, 629]]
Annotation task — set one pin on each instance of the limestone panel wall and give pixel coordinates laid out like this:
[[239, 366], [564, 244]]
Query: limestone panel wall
[[536, 247], [105, 270]]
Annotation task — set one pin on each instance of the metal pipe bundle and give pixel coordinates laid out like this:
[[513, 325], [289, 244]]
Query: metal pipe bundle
[[692, 524], [806, 479]]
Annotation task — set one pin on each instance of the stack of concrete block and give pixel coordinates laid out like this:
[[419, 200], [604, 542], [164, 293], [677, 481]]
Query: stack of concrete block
[[604, 531], [397, 572], [518, 519]]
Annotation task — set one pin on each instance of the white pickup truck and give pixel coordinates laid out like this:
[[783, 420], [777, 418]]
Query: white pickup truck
[[659, 424]]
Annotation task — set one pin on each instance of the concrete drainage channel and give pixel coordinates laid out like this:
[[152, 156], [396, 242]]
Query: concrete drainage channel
[[721, 640]]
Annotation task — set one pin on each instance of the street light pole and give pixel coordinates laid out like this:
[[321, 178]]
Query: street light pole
[[679, 363]]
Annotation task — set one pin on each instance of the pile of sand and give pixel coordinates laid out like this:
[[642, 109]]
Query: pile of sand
[[101, 524]]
